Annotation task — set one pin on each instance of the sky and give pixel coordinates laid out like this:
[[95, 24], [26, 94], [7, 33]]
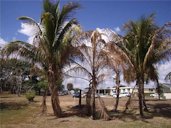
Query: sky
[[93, 14]]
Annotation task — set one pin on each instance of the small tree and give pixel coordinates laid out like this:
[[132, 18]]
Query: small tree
[[70, 86]]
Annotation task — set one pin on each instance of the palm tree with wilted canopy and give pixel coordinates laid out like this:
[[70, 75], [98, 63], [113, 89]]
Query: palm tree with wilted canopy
[[96, 57], [52, 44], [90, 63], [146, 44]]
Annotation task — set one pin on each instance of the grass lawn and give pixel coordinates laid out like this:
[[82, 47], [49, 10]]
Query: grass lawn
[[16, 112]]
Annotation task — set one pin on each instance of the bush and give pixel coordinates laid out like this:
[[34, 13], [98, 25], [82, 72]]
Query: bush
[[30, 95]]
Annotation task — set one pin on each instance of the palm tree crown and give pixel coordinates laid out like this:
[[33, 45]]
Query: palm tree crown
[[146, 44]]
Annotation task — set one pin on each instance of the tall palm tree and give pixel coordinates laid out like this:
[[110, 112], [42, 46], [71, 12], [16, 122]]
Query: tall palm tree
[[51, 46], [96, 55], [146, 44], [91, 63]]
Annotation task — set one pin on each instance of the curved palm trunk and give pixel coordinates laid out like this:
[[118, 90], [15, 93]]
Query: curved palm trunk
[[55, 103], [54, 92], [143, 95], [129, 100], [144, 102], [103, 110], [43, 105]]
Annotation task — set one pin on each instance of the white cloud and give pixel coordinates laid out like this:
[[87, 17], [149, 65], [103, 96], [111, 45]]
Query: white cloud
[[117, 29], [2, 42], [28, 30]]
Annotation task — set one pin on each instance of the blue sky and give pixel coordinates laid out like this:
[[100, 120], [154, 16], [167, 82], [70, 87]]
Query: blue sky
[[92, 14]]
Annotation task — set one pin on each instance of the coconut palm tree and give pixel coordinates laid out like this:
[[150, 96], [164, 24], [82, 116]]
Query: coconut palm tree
[[90, 63], [51, 46], [146, 44], [97, 57]]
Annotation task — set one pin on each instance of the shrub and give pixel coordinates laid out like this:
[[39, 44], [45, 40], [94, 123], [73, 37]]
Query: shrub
[[30, 95]]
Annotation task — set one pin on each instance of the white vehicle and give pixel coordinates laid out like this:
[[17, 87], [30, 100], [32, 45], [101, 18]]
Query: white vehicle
[[155, 95], [121, 95]]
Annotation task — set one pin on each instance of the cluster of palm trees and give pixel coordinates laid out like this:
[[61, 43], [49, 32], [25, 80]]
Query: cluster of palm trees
[[60, 41]]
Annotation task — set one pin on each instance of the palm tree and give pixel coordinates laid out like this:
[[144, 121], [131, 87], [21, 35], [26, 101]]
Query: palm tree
[[145, 44], [91, 63], [51, 46], [96, 55]]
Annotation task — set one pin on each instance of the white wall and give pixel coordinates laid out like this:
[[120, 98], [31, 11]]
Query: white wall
[[167, 95]]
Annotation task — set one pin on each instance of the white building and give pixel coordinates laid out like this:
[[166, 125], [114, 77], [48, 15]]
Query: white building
[[123, 89]]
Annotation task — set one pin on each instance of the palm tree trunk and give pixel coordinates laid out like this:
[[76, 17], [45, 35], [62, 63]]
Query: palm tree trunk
[[117, 97], [129, 100], [88, 101], [43, 105], [117, 89], [93, 106], [104, 113], [80, 99], [55, 102], [19, 90], [144, 102], [54, 92], [158, 89], [140, 96]]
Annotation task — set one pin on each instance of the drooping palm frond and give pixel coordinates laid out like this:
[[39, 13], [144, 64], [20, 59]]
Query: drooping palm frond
[[66, 12], [168, 76], [29, 20], [24, 50], [160, 45]]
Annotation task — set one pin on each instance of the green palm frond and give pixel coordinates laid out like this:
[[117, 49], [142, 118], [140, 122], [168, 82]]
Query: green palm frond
[[59, 39], [50, 7], [145, 44], [67, 10], [64, 15]]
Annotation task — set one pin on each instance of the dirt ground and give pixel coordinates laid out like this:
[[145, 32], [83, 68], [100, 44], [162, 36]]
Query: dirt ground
[[16, 112]]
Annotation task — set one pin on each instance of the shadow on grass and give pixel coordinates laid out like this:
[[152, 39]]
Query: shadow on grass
[[161, 110], [77, 110], [155, 110], [12, 105]]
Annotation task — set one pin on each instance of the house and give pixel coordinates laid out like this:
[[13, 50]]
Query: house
[[166, 89], [111, 91], [123, 89]]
